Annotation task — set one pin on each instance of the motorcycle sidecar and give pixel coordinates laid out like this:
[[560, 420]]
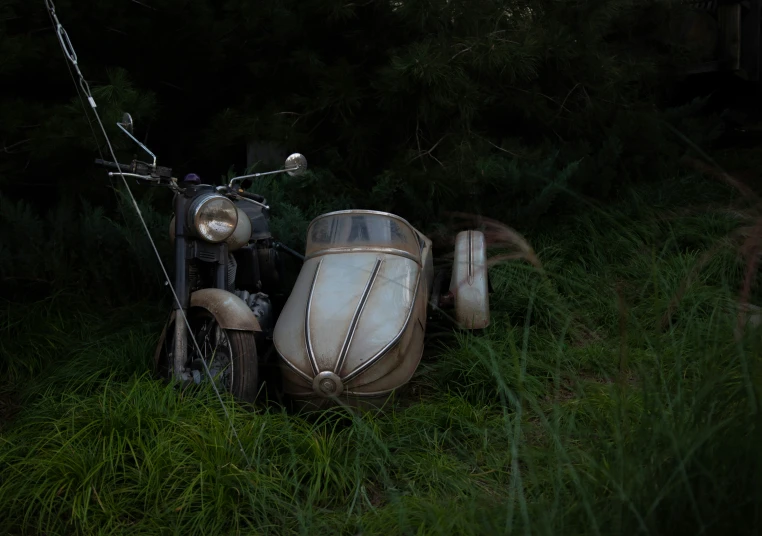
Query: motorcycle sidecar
[[352, 330]]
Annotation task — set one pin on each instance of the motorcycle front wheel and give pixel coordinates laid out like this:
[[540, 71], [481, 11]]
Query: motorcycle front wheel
[[230, 356]]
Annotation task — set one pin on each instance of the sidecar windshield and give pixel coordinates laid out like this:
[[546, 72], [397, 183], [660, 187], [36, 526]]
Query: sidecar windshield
[[361, 230]]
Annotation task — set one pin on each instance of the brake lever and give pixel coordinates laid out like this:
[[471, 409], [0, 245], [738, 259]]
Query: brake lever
[[238, 195], [266, 207], [159, 172]]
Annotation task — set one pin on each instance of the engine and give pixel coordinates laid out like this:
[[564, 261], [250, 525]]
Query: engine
[[247, 268], [260, 305], [232, 270]]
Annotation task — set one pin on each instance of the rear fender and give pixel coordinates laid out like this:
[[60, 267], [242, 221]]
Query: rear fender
[[470, 283]]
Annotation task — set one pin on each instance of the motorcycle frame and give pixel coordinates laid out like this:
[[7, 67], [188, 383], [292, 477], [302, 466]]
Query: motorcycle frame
[[187, 248]]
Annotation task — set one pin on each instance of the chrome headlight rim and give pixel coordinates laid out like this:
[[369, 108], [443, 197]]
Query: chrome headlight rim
[[202, 221]]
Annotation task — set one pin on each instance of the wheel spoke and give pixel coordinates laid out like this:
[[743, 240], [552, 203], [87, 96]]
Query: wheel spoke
[[217, 353]]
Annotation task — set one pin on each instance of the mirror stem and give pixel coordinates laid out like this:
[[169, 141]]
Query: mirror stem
[[140, 144], [255, 175]]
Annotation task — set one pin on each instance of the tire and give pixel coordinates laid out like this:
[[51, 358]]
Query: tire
[[230, 355]]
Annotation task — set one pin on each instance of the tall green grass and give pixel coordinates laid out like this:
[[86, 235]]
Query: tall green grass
[[578, 412]]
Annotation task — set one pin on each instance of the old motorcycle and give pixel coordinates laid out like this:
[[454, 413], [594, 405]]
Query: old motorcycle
[[226, 264], [352, 329]]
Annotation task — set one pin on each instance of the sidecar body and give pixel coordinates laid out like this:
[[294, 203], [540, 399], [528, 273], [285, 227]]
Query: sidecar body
[[352, 329]]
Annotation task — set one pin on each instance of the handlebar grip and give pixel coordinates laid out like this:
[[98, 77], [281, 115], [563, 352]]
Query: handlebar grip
[[113, 165]]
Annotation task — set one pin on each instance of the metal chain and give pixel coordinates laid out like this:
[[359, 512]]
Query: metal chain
[[71, 56]]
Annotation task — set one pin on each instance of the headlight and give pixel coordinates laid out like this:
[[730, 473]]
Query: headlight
[[214, 217]]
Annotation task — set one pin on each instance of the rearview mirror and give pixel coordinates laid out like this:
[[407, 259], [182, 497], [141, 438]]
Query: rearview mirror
[[296, 164], [127, 123]]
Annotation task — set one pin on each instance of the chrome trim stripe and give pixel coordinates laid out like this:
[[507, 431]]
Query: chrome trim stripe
[[470, 277], [356, 317], [291, 366], [308, 342], [365, 249], [370, 362]]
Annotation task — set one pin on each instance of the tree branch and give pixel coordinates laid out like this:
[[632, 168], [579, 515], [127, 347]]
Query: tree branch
[[11, 146], [423, 153]]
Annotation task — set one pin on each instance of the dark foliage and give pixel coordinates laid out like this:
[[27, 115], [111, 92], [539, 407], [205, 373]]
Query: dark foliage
[[493, 107]]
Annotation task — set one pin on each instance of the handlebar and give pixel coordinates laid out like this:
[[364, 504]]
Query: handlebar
[[138, 168], [113, 165], [146, 172]]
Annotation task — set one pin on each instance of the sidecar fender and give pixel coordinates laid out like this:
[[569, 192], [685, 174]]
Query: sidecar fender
[[469, 283], [230, 311]]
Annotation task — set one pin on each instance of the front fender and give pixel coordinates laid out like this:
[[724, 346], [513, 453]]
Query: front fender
[[230, 311]]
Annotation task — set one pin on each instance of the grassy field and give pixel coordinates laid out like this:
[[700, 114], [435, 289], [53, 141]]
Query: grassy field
[[596, 403]]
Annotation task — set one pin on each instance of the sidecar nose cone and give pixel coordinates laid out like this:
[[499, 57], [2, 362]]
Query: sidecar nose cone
[[327, 384]]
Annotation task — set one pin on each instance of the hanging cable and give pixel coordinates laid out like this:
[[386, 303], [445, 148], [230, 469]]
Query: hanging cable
[[89, 121], [71, 56]]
